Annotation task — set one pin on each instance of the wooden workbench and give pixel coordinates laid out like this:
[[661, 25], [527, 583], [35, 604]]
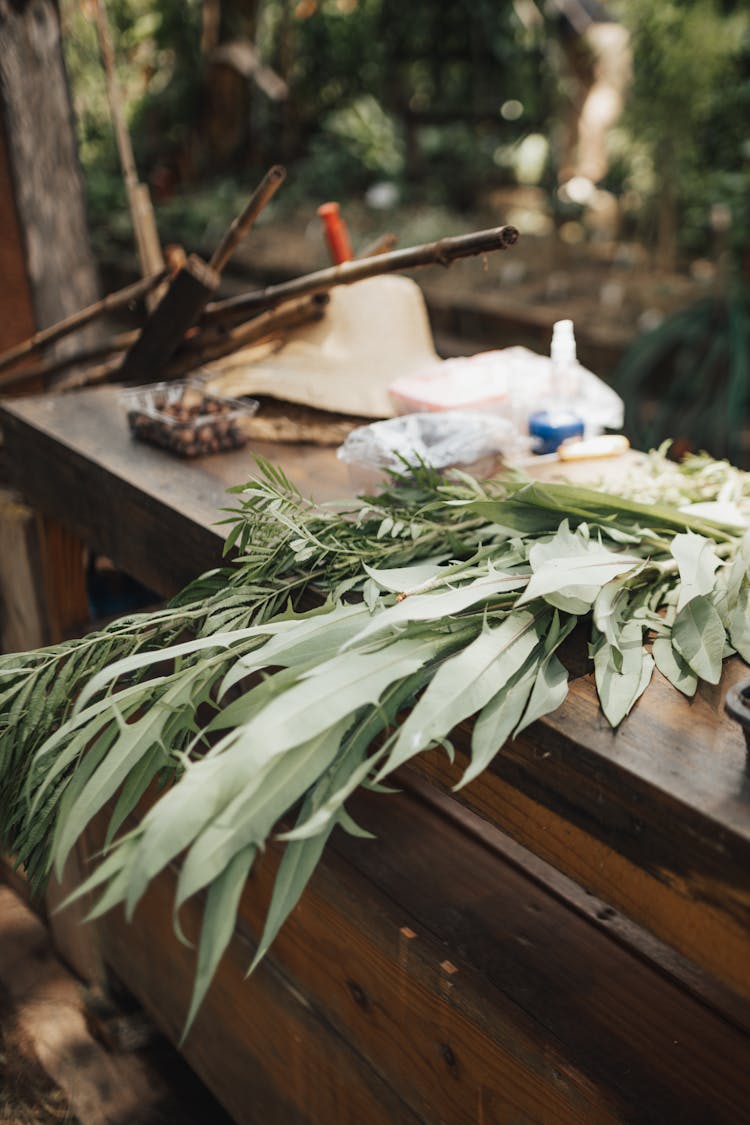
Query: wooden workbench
[[570, 943]]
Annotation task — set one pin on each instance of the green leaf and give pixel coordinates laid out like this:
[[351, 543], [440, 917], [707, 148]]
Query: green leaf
[[329, 692], [441, 604], [698, 636], [498, 718], [219, 916], [139, 662], [621, 683], [697, 562], [569, 570], [540, 501], [305, 847], [351, 827], [104, 872], [251, 815], [465, 683], [76, 783], [295, 870], [328, 811], [308, 639], [548, 693], [407, 577], [673, 667], [610, 607], [136, 784], [739, 624], [134, 741], [353, 766]]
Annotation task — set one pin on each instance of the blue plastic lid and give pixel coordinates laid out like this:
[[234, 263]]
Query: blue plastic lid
[[552, 427]]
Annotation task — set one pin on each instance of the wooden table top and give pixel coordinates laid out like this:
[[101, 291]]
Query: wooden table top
[[654, 818]]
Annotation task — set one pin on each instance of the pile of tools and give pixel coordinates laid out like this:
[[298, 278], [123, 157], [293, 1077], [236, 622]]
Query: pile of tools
[[189, 327]]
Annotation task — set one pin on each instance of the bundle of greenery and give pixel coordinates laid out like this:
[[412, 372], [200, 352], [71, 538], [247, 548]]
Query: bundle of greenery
[[339, 643]]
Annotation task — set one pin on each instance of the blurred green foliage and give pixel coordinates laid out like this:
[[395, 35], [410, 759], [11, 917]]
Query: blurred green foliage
[[435, 98], [686, 119]]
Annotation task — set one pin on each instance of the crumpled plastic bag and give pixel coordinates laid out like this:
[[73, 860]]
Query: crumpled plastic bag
[[442, 439]]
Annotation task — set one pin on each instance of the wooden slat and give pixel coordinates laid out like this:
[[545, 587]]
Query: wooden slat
[[620, 1023], [23, 610], [652, 818], [63, 563]]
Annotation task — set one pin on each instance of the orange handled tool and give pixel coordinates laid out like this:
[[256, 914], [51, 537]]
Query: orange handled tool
[[337, 236]]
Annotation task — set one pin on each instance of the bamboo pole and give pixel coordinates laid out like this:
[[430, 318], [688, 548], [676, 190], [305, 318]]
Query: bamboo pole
[[443, 252], [148, 245], [113, 301]]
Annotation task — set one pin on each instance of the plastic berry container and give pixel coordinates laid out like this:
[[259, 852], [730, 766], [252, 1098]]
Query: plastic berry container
[[185, 419]]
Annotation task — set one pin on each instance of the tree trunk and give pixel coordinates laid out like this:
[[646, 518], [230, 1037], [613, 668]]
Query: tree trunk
[[44, 171]]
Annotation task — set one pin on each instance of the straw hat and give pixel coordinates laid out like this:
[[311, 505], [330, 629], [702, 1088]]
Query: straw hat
[[371, 333]]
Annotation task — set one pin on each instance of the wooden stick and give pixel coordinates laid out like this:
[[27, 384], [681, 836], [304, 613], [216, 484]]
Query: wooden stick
[[443, 252], [53, 365], [273, 322], [139, 201], [262, 195], [383, 244], [110, 303], [87, 376]]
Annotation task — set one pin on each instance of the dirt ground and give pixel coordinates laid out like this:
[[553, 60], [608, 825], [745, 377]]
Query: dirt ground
[[27, 1094], [76, 1055]]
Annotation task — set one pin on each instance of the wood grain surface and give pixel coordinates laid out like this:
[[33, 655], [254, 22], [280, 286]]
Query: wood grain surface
[[405, 989]]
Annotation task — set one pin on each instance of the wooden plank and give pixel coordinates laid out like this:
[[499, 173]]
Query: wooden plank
[[621, 1024], [64, 575], [74, 941], [267, 1054], [42, 578], [652, 818], [472, 992], [686, 974]]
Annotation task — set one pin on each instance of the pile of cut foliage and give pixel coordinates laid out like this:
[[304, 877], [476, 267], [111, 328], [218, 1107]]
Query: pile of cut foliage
[[338, 644]]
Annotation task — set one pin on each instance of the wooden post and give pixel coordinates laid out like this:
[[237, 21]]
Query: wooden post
[[23, 611]]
